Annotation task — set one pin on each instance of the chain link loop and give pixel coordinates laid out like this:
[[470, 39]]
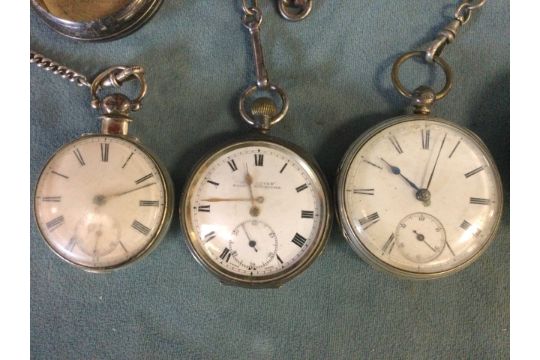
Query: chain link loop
[[250, 7], [464, 11], [58, 69]]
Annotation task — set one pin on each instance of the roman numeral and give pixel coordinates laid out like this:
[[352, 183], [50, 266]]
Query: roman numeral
[[279, 259], [148, 203], [395, 143], [232, 164], [144, 178], [364, 191], [283, 168], [140, 227], [105, 152], [225, 255], [79, 157], [54, 223], [204, 208], [425, 139], [57, 173], [454, 149], [369, 220], [389, 244], [71, 245], [299, 240], [480, 201], [465, 225], [301, 188], [51, 198], [212, 182], [123, 247], [475, 171], [307, 214], [208, 237], [129, 157], [259, 159]]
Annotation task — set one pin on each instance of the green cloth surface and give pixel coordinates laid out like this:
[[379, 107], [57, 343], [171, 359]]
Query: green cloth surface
[[335, 67]]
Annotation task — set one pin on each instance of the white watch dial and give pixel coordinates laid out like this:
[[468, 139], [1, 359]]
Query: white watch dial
[[421, 196], [255, 209], [100, 202]]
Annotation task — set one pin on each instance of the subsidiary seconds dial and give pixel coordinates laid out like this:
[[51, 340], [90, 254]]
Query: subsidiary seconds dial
[[419, 197], [256, 213]]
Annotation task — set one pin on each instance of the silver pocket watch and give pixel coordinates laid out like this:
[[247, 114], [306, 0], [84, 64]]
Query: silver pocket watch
[[104, 200], [95, 20], [256, 211], [419, 196]]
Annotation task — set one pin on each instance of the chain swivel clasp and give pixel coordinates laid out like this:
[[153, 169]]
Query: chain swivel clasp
[[116, 107], [448, 34]]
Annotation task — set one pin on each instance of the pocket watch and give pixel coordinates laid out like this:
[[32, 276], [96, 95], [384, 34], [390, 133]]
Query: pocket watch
[[418, 196], [103, 200], [95, 20], [256, 211]]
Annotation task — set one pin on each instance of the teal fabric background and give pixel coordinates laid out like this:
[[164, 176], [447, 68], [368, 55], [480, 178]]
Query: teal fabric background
[[335, 67]]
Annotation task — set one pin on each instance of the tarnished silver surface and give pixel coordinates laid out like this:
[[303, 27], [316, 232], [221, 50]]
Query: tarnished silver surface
[[252, 20], [439, 61], [95, 20], [115, 107], [274, 280]]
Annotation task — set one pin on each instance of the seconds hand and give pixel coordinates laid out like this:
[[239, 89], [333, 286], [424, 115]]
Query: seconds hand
[[252, 243], [436, 161]]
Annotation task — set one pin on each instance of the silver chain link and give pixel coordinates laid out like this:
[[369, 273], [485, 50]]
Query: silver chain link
[[58, 69], [465, 9], [447, 35]]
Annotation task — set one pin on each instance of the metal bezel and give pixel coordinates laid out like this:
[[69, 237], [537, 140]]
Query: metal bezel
[[269, 281], [113, 26], [346, 226], [165, 220]]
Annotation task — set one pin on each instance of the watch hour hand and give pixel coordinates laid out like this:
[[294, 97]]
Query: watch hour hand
[[397, 171]]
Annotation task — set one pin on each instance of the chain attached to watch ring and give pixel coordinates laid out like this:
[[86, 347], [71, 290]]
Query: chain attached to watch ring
[[112, 77], [263, 112], [424, 97]]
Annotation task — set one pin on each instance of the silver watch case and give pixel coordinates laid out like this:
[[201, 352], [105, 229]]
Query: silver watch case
[[271, 281]]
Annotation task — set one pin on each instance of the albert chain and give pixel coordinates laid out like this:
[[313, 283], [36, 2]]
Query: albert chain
[[424, 97], [115, 107]]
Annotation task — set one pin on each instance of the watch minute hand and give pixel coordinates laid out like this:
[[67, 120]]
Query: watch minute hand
[[132, 190]]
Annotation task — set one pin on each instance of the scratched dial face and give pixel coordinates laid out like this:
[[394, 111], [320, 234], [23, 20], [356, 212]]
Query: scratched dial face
[[255, 209], [419, 196], [100, 202]]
